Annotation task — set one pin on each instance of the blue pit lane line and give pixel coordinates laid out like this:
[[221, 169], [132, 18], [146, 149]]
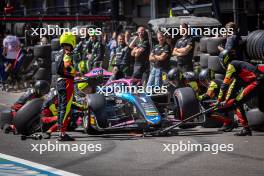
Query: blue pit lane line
[[10, 165]]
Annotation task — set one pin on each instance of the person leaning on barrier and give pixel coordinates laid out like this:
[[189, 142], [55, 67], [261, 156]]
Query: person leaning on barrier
[[159, 56], [183, 50]]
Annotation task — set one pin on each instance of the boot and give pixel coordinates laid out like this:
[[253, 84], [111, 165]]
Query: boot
[[65, 137], [244, 132], [228, 127]]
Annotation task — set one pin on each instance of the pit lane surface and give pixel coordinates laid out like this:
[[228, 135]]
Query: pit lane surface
[[125, 154]]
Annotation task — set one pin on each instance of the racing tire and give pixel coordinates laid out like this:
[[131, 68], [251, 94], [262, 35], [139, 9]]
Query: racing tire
[[44, 63], [204, 60], [27, 116], [97, 103], [212, 45], [43, 74], [53, 55], [42, 51], [255, 119], [27, 61], [5, 118], [184, 98], [54, 79], [203, 44], [54, 68], [254, 45], [55, 44], [215, 65], [219, 76]]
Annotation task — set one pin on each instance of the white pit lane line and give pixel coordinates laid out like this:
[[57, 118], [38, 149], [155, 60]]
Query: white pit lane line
[[10, 165]]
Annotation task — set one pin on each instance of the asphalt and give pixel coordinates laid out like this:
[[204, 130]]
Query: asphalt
[[129, 155]]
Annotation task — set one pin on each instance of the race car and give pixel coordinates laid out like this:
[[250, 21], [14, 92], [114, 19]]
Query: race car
[[111, 111]]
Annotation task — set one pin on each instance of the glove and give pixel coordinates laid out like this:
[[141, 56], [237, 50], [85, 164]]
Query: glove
[[219, 104], [222, 104]]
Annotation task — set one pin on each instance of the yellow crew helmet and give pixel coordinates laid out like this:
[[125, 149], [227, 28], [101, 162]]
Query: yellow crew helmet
[[68, 38], [82, 86]]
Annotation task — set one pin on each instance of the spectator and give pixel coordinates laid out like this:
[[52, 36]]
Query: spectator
[[120, 65], [183, 50], [44, 41], [127, 37], [11, 50], [160, 57], [95, 57], [112, 45], [169, 42], [140, 50]]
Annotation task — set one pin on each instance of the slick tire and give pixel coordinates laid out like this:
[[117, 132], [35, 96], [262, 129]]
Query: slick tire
[[212, 45], [55, 44], [27, 116], [215, 65], [53, 55], [204, 60], [5, 118], [44, 63], [184, 98], [42, 51], [203, 44], [254, 45], [256, 119], [97, 103], [43, 74], [54, 68]]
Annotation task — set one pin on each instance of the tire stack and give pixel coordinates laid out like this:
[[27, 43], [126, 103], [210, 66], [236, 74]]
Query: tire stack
[[55, 47], [209, 55], [255, 45], [43, 55], [209, 60], [204, 55]]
